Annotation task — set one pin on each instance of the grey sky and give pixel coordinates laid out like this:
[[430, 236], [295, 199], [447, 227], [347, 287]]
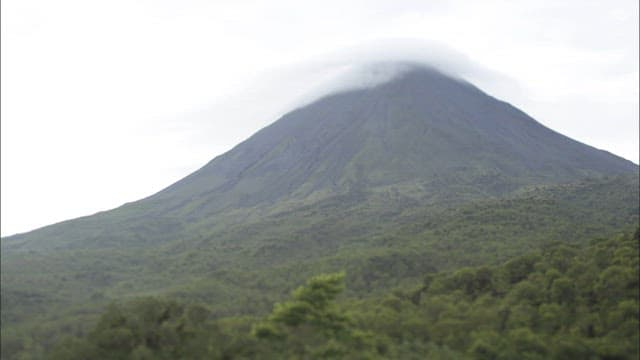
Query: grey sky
[[105, 102]]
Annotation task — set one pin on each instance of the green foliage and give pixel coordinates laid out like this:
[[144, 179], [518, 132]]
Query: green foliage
[[385, 241], [471, 313], [146, 328], [311, 325]]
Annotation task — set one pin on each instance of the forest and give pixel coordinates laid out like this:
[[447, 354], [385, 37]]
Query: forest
[[384, 248], [560, 302]]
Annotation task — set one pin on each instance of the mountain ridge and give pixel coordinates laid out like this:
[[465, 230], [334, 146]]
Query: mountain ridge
[[315, 129]]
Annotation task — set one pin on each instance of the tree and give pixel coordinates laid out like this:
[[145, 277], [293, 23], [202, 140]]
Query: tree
[[146, 328], [311, 325]]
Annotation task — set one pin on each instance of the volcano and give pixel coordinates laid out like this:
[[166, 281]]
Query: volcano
[[417, 128], [423, 171], [422, 131]]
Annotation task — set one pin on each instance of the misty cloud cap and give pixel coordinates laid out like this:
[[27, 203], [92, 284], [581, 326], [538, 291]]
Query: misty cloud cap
[[375, 63]]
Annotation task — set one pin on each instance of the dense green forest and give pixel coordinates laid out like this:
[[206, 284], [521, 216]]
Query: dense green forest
[[381, 243], [560, 302]]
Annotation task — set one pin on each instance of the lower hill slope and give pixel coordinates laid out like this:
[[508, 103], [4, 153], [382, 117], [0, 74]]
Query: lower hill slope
[[558, 302], [382, 239]]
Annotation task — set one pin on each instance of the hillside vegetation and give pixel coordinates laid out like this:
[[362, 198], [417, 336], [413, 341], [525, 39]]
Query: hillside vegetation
[[561, 302], [63, 292]]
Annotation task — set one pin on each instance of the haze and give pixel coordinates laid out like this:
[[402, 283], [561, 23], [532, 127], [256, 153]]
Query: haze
[[108, 102]]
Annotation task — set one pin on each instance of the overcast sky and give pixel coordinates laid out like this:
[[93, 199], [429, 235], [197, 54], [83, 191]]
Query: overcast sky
[[105, 102]]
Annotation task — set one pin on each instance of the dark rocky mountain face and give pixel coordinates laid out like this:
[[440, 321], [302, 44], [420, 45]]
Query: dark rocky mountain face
[[422, 127]]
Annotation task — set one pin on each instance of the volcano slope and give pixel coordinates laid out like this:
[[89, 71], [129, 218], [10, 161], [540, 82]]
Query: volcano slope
[[420, 173]]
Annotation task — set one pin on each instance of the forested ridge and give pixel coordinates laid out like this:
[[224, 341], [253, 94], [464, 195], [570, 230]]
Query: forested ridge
[[561, 302]]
